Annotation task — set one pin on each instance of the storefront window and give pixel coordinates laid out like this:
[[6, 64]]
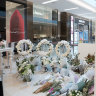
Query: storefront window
[[79, 31], [15, 22], [42, 21]]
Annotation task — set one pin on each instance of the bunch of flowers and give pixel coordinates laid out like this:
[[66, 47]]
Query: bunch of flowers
[[90, 59], [43, 52], [73, 60], [62, 43], [52, 62], [55, 61], [3, 44], [88, 88], [28, 43], [50, 87], [25, 68], [75, 93], [45, 60], [75, 63], [54, 89]]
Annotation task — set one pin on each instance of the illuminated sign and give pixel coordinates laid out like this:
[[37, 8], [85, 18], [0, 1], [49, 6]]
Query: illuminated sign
[[37, 13], [81, 21]]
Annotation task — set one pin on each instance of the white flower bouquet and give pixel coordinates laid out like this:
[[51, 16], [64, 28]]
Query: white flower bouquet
[[43, 52], [3, 44], [28, 43], [62, 43], [25, 69], [45, 60], [75, 93]]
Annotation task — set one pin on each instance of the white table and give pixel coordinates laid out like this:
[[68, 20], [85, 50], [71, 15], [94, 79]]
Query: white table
[[8, 50]]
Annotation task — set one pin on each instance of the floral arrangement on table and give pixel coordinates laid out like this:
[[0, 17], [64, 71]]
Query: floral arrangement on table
[[28, 43], [83, 85], [84, 89], [75, 93], [52, 62], [45, 60], [52, 88], [62, 43], [55, 63], [3, 44], [88, 89], [75, 63], [90, 59], [25, 68], [43, 52]]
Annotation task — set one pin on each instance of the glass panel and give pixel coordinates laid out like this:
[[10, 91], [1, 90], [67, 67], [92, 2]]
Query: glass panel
[[42, 22], [15, 22]]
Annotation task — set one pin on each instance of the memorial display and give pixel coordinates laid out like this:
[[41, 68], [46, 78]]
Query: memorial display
[[46, 49], [73, 77], [20, 47]]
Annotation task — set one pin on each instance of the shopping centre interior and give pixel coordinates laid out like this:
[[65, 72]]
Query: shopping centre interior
[[63, 35]]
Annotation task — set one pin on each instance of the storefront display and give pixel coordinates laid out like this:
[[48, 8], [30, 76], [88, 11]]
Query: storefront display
[[80, 31], [44, 24], [15, 22]]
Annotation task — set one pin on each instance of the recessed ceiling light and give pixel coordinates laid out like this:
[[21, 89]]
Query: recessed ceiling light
[[82, 4], [91, 2], [50, 1], [85, 13], [71, 9]]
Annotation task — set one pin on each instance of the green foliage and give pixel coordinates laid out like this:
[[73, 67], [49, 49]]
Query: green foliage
[[90, 59], [25, 68], [87, 87], [75, 93], [31, 59], [56, 87], [73, 61]]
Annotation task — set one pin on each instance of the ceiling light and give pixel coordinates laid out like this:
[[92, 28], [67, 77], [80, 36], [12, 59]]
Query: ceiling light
[[71, 9], [50, 1], [92, 2], [85, 13], [82, 4]]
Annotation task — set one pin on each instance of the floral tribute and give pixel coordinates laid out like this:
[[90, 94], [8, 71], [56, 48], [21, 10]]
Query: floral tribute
[[25, 68], [19, 49], [90, 59], [73, 61], [75, 93], [62, 43], [66, 81], [44, 52], [50, 87], [3, 44]]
